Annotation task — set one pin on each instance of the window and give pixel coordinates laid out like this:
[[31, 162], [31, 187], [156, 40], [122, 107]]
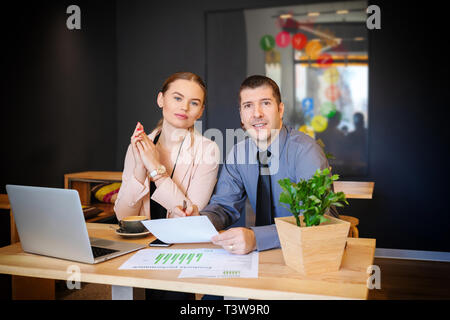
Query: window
[[318, 56]]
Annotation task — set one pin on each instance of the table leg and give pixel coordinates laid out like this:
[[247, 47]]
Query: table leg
[[233, 298], [28, 288], [121, 293], [12, 223]]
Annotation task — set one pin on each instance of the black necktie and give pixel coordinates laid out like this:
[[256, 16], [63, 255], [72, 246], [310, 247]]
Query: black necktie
[[264, 210]]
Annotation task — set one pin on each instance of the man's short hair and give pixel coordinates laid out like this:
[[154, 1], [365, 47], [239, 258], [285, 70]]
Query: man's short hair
[[257, 81]]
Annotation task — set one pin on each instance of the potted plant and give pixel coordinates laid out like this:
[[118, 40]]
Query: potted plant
[[311, 241]]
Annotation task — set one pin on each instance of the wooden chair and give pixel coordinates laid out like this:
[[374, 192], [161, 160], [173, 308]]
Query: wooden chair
[[354, 190], [353, 232]]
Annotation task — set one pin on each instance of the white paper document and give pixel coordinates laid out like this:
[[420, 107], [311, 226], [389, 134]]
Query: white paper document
[[226, 265], [196, 263], [182, 230]]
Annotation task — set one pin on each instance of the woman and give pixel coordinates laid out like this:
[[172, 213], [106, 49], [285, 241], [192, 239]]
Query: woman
[[174, 163]]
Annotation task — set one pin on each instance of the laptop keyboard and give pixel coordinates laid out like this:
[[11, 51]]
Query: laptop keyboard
[[98, 252]]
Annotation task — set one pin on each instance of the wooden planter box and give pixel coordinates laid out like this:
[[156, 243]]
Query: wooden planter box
[[312, 250]]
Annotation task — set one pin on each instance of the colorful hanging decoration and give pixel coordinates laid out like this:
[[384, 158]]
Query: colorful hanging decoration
[[332, 93], [308, 104], [328, 109], [307, 130], [273, 56], [267, 42], [283, 39], [319, 123], [313, 48], [325, 60], [331, 75], [299, 41]]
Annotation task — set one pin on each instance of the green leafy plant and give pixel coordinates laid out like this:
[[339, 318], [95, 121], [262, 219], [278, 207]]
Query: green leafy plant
[[328, 155], [311, 197]]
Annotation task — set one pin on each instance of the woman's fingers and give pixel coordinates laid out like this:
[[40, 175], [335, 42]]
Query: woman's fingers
[[140, 147], [177, 212], [137, 131], [141, 137], [139, 128], [134, 141], [147, 141]]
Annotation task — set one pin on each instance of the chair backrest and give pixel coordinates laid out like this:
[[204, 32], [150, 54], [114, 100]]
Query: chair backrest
[[355, 189]]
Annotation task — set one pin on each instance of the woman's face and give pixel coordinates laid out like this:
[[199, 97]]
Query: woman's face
[[182, 103]]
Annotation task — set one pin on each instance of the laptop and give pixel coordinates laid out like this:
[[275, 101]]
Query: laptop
[[50, 222]]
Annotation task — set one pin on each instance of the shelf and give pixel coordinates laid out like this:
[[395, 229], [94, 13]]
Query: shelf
[[83, 181]]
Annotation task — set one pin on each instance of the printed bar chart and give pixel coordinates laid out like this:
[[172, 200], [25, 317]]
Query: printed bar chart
[[178, 258], [197, 263]]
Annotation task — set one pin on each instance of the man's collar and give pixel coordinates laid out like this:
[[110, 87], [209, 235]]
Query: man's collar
[[279, 142], [276, 147]]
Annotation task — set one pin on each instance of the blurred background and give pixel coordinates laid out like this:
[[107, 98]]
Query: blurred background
[[71, 98]]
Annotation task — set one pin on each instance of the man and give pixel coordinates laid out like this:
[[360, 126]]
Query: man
[[253, 168]]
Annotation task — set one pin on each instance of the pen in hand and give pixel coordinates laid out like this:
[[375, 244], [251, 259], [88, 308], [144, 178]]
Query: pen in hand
[[186, 212], [182, 211]]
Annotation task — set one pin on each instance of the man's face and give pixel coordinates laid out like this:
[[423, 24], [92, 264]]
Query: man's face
[[260, 113]]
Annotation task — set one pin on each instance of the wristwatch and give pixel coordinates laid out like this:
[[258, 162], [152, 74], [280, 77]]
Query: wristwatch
[[159, 170]]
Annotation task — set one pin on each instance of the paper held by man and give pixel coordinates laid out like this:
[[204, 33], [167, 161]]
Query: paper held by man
[[186, 230]]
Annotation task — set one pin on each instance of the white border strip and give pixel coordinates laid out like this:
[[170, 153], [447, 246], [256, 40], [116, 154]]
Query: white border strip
[[412, 254]]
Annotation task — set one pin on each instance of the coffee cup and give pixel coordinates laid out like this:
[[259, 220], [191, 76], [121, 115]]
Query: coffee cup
[[132, 224]]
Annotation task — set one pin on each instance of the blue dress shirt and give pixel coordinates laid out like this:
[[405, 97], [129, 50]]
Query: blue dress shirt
[[294, 155]]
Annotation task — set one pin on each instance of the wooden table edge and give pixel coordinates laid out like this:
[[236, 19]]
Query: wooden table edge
[[186, 285]]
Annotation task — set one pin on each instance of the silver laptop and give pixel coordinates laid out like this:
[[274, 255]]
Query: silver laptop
[[50, 222]]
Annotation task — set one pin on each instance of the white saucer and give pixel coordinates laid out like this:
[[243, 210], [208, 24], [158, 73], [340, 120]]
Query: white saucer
[[132, 235]]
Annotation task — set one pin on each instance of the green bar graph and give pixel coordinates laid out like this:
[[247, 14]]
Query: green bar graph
[[174, 257], [231, 273], [159, 257], [190, 257], [182, 257], [178, 258], [166, 258]]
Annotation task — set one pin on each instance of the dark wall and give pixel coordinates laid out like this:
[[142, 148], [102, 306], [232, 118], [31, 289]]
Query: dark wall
[[156, 39], [408, 97], [408, 92], [226, 67], [58, 91]]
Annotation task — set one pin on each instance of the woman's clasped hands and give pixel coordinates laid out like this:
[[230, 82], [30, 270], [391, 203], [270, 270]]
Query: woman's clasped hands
[[146, 156]]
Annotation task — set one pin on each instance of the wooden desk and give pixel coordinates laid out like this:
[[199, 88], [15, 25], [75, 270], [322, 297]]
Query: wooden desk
[[276, 280], [355, 189]]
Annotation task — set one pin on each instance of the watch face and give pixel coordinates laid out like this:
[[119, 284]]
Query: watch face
[[161, 169]]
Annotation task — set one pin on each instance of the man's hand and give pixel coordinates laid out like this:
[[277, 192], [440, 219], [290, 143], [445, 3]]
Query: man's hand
[[236, 240], [178, 212]]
